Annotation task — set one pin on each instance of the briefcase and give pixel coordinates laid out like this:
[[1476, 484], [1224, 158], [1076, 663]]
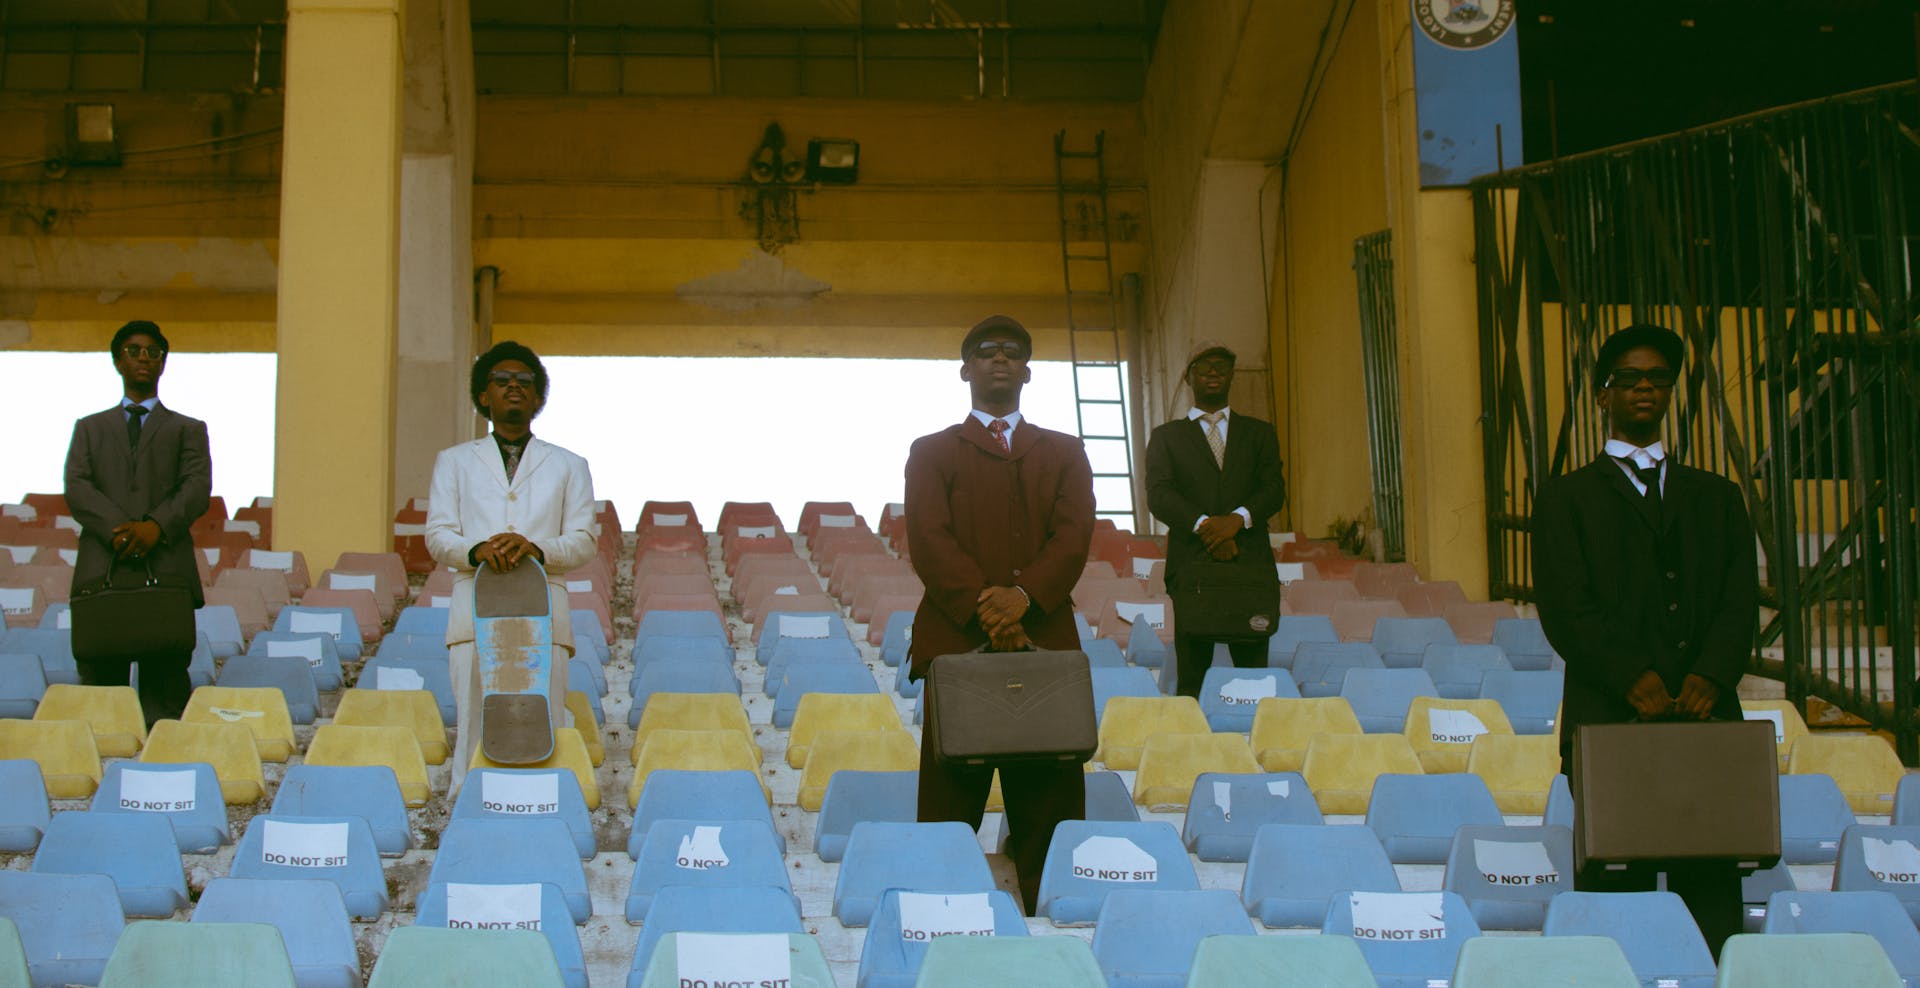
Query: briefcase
[[1651, 795], [994, 707], [1226, 601], [128, 623]]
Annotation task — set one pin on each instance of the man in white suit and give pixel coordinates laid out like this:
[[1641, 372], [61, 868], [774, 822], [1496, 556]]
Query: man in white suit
[[497, 502]]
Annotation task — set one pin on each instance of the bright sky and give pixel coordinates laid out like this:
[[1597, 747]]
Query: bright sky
[[707, 430]]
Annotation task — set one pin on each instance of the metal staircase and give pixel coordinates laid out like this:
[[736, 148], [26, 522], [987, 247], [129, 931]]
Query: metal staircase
[[1093, 325]]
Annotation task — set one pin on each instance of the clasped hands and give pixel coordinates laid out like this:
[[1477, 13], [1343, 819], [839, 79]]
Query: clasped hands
[[1217, 532], [134, 539], [1650, 698], [505, 551], [1000, 610]]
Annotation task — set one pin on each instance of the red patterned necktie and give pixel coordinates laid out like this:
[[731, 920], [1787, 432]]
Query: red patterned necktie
[[999, 429]]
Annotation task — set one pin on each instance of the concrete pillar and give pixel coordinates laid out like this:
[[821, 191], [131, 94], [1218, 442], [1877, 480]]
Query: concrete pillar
[[339, 252]]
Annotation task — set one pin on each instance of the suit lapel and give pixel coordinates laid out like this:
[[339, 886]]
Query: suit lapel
[[488, 453], [1236, 452], [972, 431], [1616, 479], [530, 460], [1025, 439]]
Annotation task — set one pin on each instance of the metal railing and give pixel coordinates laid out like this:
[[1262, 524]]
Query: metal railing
[[1380, 359]]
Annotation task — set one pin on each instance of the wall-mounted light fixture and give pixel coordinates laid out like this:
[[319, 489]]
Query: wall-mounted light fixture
[[833, 159], [91, 139]]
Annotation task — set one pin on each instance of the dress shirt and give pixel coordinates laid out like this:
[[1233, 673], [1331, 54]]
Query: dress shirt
[[1629, 458], [1012, 419], [1226, 417]]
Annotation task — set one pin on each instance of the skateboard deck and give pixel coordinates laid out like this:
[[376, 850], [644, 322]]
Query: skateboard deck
[[513, 642]]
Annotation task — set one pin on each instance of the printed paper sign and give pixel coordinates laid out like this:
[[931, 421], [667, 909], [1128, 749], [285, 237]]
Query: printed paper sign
[[1515, 864], [1114, 859], [811, 626], [440, 600], [409, 529], [392, 678], [212, 556], [23, 554], [306, 648], [252, 528], [924, 916], [68, 556], [493, 907], [1282, 788], [67, 522], [63, 620], [579, 586], [1248, 692], [530, 795], [263, 559], [16, 600], [304, 845], [1133, 612], [701, 850], [156, 791], [669, 521], [1289, 572], [1453, 726], [234, 716], [709, 960], [310, 622], [25, 512], [838, 521], [1896, 862], [1223, 798], [757, 532], [1779, 722], [1397, 916], [353, 581], [1143, 567], [786, 591]]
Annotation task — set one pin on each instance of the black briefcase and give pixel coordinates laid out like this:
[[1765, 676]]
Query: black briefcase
[[1226, 601], [994, 707], [128, 623]]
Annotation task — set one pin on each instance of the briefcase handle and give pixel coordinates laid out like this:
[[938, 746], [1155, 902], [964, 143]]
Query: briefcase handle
[[152, 581]]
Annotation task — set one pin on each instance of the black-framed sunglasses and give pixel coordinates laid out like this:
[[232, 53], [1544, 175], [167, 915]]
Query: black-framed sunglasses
[[1629, 377], [135, 351], [503, 378], [1216, 365], [1014, 349]]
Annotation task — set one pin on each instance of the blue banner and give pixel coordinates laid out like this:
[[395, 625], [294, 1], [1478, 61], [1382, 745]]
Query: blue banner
[[1466, 70]]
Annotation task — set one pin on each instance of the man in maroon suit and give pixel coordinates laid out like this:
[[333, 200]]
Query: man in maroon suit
[[999, 518]]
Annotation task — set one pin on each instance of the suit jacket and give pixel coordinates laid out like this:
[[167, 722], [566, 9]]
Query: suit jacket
[[1184, 483], [168, 478], [1621, 591], [977, 517], [550, 501]]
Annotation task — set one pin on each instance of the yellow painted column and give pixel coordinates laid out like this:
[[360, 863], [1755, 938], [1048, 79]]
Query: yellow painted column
[[338, 279]]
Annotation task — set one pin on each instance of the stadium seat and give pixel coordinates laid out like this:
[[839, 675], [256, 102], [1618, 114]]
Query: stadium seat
[[1295, 630], [1169, 764], [676, 649], [509, 906], [363, 604], [1875, 914], [229, 748], [1130, 720], [1226, 810], [221, 626], [701, 751], [1403, 641], [1442, 732], [1410, 939], [1282, 729], [249, 610], [311, 915], [1559, 808], [588, 719], [112, 712], [136, 849], [490, 850], [1319, 668], [681, 957], [55, 649], [68, 923], [905, 685], [428, 955], [1906, 801], [856, 796], [1341, 768], [585, 673], [1145, 647], [69, 761], [1523, 642], [1813, 815], [1090, 858], [187, 795], [1415, 816], [289, 674], [880, 855], [1459, 671], [262, 710], [1881, 859], [569, 753], [425, 621], [1380, 697], [370, 792], [1382, 581], [1229, 697], [1542, 962], [1318, 597], [321, 652], [413, 673], [1010, 962], [817, 712], [23, 805], [394, 747], [413, 710], [1863, 765], [1127, 681], [906, 922], [690, 712], [1279, 962], [1430, 599], [22, 683], [1531, 699], [1146, 939], [199, 955], [1355, 620], [1788, 726], [872, 751], [340, 622], [13, 956], [698, 909], [821, 677], [693, 676], [335, 848], [896, 638], [678, 624], [1852, 959], [714, 853], [1654, 929], [674, 794], [1509, 874], [1519, 769], [528, 793]]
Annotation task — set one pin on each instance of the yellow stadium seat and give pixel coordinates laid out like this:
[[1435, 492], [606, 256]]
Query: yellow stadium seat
[[394, 747], [1129, 721], [1517, 768], [229, 748], [1442, 731], [1170, 763], [582, 710], [1340, 768], [262, 710], [1788, 725], [1283, 726], [569, 752], [718, 750], [113, 713], [819, 712], [414, 710], [888, 750], [69, 759], [690, 712], [1863, 764]]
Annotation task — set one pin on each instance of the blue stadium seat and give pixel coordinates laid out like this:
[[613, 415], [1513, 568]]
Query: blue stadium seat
[[310, 913], [1229, 696], [321, 652], [136, 850], [695, 909], [676, 794], [23, 805], [1108, 798], [1894, 852], [1294, 630], [1294, 868], [678, 624], [68, 923], [53, 646], [1459, 671], [896, 638], [702, 676], [23, 681], [221, 626], [370, 792], [315, 847], [1403, 641], [1559, 803], [1906, 801], [402, 673], [1530, 699], [1147, 939], [1758, 887], [290, 674], [1144, 647], [424, 621], [528, 793], [819, 677], [852, 797], [1104, 653], [582, 671], [788, 653], [200, 666], [56, 616], [507, 851], [904, 685], [1813, 815], [1415, 815], [1319, 668], [881, 855], [1129, 681], [673, 648], [707, 853], [1524, 644], [1080, 625], [464, 906], [1875, 914], [408, 646], [1415, 937], [1380, 697], [1654, 929], [339, 622], [1090, 858], [589, 639], [891, 955], [769, 632], [1226, 810], [1509, 874], [186, 794]]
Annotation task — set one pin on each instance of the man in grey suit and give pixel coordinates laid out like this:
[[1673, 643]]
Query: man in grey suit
[[138, 475]]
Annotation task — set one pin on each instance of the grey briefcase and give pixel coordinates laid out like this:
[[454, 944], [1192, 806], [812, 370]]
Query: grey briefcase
[[990, 707]]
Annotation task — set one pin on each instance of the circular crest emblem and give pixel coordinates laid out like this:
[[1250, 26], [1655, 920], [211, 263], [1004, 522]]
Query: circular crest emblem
[[1259, 622], [1464, 24]]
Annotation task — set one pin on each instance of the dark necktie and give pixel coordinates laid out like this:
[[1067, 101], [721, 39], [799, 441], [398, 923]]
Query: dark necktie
[[999, 429], [1650, 476], [513, 459], [134, 414]]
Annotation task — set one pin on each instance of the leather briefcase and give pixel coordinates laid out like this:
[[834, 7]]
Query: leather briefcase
[[126, 624], [1226, 601], [991, 707]]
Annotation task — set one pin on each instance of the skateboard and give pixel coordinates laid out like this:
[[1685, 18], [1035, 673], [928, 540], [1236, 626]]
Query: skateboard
[[513, 642]]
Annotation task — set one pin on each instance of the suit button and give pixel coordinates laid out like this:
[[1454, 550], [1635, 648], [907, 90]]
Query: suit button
[[1670, 607], [1671, 575], [1016, 572], [1680, 645], [510, 528], [516, 497]]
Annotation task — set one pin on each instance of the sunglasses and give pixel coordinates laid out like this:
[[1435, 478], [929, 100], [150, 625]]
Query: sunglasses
[[135, 351], [1216, 365], [1014, 349], [503, 378], [1626, 377]]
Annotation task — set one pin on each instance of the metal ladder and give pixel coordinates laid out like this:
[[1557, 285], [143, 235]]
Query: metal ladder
[[1093, 325]]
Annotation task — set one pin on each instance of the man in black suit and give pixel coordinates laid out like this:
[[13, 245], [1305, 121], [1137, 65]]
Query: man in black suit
[[1213, 478], [1645, 576], [138, 475]]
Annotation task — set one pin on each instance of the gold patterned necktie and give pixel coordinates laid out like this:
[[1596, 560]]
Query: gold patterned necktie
[[1215, 440], [999, 429]]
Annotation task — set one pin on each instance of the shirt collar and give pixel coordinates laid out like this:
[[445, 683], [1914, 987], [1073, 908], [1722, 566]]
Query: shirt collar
[[522, 444], [1013, 419], [1196, 414], [1640, 456], [150, 404]]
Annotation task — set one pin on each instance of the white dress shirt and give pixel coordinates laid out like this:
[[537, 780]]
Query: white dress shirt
[[1629, 457], [1012, 418], [1226, 417]]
